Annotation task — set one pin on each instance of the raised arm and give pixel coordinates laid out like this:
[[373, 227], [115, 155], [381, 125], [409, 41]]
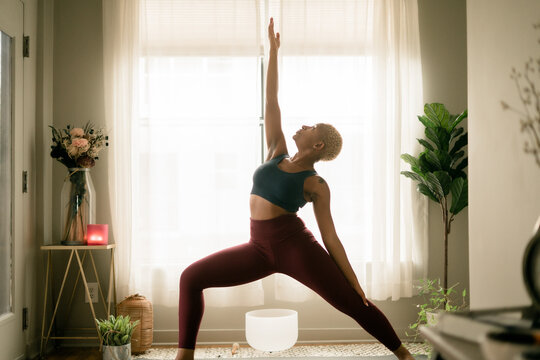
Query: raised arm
[[275, 140], [320, 195]]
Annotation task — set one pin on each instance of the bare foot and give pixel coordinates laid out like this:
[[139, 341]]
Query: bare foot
[[403, 354], [185, 354]]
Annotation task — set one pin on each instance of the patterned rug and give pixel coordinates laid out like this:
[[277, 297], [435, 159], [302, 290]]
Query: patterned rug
[[299, 352]]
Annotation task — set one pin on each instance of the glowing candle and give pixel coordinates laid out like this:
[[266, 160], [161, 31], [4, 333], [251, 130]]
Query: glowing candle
[[97, 234]]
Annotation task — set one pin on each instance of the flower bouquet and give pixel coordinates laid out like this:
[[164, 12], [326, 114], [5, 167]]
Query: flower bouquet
[[77, 149]]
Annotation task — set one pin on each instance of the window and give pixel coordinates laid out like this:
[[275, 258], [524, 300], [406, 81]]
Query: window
[[198, 136], [198, 142], [327, 89]]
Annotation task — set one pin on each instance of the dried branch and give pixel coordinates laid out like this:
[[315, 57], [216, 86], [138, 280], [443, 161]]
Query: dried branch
[[528, 89]]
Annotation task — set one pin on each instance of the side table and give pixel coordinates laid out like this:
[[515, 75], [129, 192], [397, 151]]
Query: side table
[[77, 250]]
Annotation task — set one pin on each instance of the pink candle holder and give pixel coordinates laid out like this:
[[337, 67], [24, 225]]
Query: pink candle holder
[[97, 234]]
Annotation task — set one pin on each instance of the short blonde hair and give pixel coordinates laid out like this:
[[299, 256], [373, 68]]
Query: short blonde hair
[[332, 141]]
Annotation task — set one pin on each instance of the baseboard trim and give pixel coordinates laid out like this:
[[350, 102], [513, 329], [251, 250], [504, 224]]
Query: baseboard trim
[[33, 348], [229, 336], [305, 336]]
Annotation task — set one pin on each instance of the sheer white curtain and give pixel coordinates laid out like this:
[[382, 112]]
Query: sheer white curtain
[[198, 139], [196, 135], [121, 63], [356, 64]]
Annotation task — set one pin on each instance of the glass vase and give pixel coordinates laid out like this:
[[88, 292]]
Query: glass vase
[[78, 206]]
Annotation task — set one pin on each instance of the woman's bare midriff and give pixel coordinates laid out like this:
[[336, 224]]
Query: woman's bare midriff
[[262, 209]]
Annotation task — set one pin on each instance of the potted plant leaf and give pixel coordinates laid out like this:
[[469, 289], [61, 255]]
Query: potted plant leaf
[[439, 168], [435, 299], [115, 336]]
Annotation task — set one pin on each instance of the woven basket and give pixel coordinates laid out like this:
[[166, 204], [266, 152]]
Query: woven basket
[[138, 308]]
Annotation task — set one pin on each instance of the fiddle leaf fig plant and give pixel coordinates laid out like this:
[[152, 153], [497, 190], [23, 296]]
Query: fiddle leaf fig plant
[[439, 168]]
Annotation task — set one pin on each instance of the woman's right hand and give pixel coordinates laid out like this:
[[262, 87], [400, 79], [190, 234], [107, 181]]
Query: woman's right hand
[[360, 292], [273, 38]]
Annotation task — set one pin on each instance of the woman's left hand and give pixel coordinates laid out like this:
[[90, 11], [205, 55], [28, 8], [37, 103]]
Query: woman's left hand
[[273, 38], [359, 290]]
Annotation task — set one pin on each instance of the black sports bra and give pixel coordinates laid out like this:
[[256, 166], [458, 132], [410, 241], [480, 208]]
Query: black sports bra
[[281, 188]]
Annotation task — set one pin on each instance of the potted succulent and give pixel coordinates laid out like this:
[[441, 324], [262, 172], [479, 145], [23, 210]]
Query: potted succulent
[[115, 336]]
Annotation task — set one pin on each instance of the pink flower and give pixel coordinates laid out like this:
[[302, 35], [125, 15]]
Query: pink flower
[[81, 143], [76, 132], [73, 151]]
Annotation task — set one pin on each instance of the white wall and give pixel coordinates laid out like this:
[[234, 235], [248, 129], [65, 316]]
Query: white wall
[[504, 193], [78, 97]]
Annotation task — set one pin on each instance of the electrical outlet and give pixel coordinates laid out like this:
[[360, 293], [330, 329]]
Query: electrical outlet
[[93, 290]]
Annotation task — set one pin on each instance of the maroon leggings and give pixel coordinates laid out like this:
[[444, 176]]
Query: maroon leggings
[[284, 245]]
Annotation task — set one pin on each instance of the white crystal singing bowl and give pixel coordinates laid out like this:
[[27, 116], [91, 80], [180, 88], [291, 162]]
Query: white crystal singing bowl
[[271, 329]]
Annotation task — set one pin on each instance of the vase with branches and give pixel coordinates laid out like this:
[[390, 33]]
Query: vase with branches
[[439, 168], [77, 149]]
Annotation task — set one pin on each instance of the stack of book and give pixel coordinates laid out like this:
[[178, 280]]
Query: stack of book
[[474, 325]]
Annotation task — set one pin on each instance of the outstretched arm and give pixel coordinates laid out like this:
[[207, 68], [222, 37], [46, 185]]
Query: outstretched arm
[[320, 195], [275, 140]]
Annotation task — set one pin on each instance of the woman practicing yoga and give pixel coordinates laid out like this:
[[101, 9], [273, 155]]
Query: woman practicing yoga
[[279, 241]]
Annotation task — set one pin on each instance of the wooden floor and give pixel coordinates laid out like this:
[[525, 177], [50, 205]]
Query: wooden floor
[[78, 353]]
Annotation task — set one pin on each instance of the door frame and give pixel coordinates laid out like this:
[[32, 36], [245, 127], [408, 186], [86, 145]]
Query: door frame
[[12, 340]]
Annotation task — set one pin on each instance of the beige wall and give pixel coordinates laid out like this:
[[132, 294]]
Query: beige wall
[[504, 188], [444, 62], [78, 97], [77, 85]]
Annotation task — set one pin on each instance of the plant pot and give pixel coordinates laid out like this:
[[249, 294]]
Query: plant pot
[[122, 352], [432, 318]]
